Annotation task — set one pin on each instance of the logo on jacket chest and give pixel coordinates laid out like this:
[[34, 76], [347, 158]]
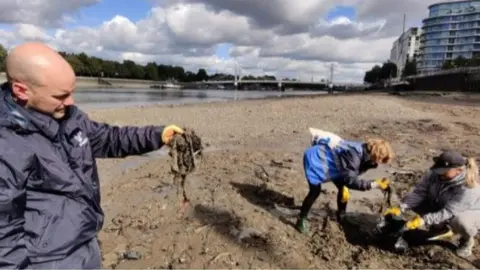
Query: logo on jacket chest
[[79, 138]]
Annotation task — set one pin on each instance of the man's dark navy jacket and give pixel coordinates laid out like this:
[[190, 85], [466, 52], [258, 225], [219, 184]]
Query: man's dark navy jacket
[[49, 186]]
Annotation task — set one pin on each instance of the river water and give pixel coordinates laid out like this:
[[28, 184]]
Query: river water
[[108, 98]]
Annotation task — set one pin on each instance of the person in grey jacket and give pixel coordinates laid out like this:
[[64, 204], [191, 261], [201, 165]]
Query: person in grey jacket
[[50, 210], [448, 194]]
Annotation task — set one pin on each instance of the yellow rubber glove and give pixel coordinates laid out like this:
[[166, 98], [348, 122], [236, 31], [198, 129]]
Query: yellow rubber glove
[[415, 223], [382, 183], [395, 211], [345, 194], [169, 131]]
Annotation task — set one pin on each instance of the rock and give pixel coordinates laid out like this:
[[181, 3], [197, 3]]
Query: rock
[[132, 255]]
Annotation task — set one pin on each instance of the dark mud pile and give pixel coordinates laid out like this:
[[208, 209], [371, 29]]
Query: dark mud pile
[[353, 244]]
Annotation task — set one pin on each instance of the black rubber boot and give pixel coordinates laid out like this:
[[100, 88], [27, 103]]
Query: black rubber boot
[[341, 210]]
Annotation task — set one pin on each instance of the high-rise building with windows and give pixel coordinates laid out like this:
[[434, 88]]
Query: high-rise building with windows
[[452, 29], [406, 47]]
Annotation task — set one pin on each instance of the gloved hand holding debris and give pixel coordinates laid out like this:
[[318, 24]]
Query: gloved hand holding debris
[[169, 132], [415, 223], [382, 183], [394, 211]]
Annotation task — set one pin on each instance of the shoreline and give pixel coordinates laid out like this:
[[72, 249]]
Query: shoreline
[[431, 97]]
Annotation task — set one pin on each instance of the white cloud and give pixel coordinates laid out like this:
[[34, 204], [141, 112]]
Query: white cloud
[[279, 37], [41, 12]]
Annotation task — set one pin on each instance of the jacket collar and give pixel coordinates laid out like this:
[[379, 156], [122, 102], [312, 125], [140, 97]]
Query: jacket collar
[[458, 180]]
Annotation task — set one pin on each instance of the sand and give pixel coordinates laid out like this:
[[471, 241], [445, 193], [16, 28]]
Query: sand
[[252, 161]]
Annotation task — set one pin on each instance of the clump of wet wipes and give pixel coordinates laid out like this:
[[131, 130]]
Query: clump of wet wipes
[[185, 152]]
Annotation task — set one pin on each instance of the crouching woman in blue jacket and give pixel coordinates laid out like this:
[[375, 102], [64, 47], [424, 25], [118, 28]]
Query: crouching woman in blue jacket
[[448, 195], [331, 158]]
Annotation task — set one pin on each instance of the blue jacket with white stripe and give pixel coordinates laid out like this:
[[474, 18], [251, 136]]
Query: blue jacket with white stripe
[[341, 164]]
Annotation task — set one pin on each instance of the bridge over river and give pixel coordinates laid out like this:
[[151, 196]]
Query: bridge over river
[[103, 82]]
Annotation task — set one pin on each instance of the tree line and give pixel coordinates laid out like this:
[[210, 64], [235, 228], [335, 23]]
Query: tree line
[[461, 62], [91, 66], [381, 73], [378, 74]]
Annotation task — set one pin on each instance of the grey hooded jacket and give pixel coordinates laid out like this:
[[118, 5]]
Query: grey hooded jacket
[[49, 186], [446, 198]]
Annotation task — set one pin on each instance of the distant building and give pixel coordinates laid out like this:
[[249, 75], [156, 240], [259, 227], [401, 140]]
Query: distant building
[[452, 29], [406, 47]]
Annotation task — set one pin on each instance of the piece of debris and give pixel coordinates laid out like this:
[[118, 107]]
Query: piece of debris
[[279, 164], [262, 173], [185, 151], [215, 259], [131, 255]]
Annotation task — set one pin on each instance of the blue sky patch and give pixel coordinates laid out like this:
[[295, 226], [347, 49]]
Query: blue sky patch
[[107, 9], [341, 11]]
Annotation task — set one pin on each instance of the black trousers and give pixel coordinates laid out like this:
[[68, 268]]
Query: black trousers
[[314, 193]]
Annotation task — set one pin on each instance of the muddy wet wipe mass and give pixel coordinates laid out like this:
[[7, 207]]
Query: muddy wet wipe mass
[[185, 151]]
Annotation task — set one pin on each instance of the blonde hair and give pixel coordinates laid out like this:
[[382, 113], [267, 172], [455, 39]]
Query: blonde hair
[[380, 150], [471, 179]]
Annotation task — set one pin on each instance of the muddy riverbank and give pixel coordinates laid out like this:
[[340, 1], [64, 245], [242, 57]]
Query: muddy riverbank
[[252, 162]]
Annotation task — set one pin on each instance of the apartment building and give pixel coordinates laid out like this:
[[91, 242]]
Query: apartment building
[[406, 47], [452, 29]]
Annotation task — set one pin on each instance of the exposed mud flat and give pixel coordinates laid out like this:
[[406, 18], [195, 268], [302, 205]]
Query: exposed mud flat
[[244, 199]]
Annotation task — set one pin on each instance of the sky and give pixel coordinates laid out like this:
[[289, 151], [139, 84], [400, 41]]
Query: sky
[[285, 38]]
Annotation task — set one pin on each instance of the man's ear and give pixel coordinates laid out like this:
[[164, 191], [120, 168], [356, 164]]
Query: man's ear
[[19, 91]]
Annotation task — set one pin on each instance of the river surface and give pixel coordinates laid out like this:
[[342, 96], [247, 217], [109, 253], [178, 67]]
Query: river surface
[[108, 98]]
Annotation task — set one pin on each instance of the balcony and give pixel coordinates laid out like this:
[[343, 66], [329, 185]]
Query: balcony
[[455, 43], [476, 33], [429, 31], [450, 13], [476, 17]]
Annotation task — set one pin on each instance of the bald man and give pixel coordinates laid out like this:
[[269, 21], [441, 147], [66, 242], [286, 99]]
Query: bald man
[[49, 188]]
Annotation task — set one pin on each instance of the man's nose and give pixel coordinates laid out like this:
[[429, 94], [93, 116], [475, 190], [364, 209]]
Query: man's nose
[[68, 101]]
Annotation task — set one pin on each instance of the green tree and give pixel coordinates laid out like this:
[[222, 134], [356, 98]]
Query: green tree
[[448, 65], [77, 65], [151, 71], [460, 62], [388, 70], [201, 75], [373, 75], [410, 68], [3, 58], [108, 69]]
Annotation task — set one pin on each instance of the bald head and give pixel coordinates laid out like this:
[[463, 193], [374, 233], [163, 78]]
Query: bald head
[[41, 78], [36, 63]]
